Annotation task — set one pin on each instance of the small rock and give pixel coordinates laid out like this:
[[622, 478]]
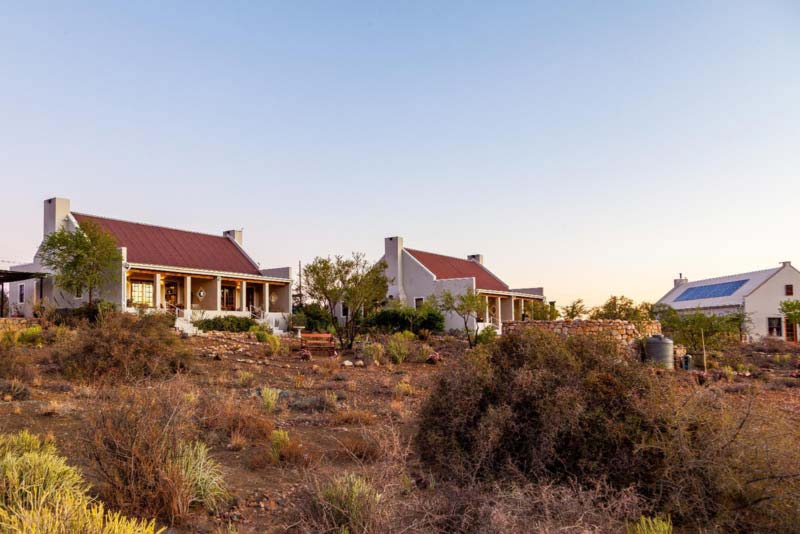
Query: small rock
[[315, 369], [347, 363], [434, 358], [359, 363]]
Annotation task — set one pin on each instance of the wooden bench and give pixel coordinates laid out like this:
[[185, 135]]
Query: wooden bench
[[318, 342]]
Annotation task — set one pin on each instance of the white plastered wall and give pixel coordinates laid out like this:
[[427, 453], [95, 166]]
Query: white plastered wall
[[764, 302]]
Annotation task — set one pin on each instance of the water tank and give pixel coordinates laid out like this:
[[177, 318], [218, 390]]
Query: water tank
[[660, 350]]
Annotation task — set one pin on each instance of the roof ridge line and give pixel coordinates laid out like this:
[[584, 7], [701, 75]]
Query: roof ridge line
[[149, 224], [728, 276]]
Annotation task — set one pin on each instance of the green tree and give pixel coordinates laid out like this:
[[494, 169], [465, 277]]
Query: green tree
[[84, 260], [574, 310], [537, 310], [467, 306], [621, 307], [791, 310], [693, 329], [357, 284]]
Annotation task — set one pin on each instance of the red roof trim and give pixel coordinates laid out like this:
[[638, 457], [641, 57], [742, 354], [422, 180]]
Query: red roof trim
[[159, 245], [449, 267]]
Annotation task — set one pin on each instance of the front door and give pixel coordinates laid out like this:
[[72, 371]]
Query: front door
[[171, 293], [791, 331], [228, 298], [251, 298]]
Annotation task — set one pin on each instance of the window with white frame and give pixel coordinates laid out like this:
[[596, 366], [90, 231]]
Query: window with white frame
[[345, 310], [142, 293], [418, 302], [775, 326]]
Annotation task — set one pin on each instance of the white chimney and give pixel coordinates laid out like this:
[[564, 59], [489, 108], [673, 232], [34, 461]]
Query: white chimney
[[56, 211], [680, 280], [393, 255], [786, 263], [236, 235], [477, 258]]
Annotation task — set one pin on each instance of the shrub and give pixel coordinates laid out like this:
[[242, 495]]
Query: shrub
[[650, 525], [278, 441], [354, 417], [245, 378], [486, 336], [399, 346], [313, 317], [13, 366], [269, 398], [13, 390], [362, 448], [227, 323], [346, 503], [30, 336], [261, 336], [399, 319], [537, 406], [137, 445], [39, 492], [203, 475], [231, 415], [374, 352], [123, 346], [275, 347]]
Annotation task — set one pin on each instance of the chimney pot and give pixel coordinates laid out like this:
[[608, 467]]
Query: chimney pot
[[236, 235], [478, 258]]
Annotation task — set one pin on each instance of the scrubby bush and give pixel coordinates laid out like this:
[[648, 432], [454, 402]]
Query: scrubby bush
[[269, 398], [227, 323], [486, 336], [123, 346], [399, 346], [30, 336], [651, 525], [347, 503], [230, 416], [402, 318], [141, 446], [548, 409], [313, 317], [373, 352], [39, 492], [14, 366]]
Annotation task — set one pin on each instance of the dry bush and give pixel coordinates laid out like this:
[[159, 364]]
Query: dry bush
[[231, 415], [354, 417], [15, 366], [124, 347], [363, 448], [12, 390], [522, 508], [139, 444], [552, 410], [347, 503]]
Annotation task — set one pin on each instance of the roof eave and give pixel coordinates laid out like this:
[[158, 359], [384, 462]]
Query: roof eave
[[208, 272]]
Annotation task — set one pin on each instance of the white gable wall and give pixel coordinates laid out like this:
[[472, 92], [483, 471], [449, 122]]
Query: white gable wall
[[417, 281], [764, 302]]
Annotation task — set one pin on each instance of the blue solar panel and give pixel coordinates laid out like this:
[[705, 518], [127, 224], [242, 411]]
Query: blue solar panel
[[710, 291]]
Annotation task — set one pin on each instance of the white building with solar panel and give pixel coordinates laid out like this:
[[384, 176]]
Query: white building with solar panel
[[758, 294]]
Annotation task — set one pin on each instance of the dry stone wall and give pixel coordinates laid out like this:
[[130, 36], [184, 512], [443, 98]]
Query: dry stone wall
[[626, 332]]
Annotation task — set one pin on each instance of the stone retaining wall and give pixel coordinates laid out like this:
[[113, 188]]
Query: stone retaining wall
[[625, 332]]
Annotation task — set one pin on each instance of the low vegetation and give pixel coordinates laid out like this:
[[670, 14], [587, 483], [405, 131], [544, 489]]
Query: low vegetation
[[547, 409], [40, 492], [123, 347], [226, 324]]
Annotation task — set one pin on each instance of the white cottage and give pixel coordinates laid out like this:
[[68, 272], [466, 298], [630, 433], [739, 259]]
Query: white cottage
[[757, 293], [415, 275]]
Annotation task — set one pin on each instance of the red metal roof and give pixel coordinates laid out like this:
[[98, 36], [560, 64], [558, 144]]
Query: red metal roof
[[445, 267], [157, 245]]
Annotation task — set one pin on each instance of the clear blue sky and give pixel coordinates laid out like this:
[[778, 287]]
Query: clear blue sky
[[592, 148]]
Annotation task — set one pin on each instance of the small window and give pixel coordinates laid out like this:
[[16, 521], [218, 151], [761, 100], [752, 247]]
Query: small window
[[775, 327], [418, 302], [22, 293], [345, 310], [789, 290], [79, 294]]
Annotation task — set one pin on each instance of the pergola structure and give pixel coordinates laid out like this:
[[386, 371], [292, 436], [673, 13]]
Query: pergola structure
[[7, 276]]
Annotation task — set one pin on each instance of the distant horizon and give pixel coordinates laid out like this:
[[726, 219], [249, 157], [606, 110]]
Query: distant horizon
[[592, 150]]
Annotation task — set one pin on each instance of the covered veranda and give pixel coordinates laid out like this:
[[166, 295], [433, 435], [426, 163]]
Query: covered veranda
[[9, 277]]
